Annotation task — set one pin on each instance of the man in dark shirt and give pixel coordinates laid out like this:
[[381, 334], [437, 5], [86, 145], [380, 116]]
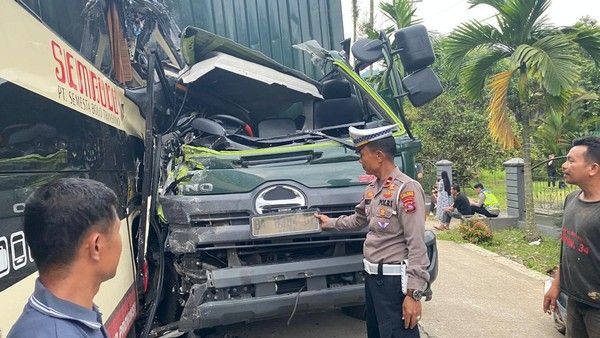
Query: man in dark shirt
[[72, 228], [458, 209], [579, 270]]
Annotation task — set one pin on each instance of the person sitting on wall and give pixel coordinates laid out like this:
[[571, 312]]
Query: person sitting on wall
[[458, 209], [487, 205]]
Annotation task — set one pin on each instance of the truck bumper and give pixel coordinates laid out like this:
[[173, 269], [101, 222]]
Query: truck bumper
[[227, 312], [267, 300]]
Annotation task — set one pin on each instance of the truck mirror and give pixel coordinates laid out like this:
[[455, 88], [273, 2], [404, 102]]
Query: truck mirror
[[346, 48], [414, 48], [367, 51], [422, 86]]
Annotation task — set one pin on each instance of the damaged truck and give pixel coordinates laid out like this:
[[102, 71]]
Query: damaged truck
[[254, 149]]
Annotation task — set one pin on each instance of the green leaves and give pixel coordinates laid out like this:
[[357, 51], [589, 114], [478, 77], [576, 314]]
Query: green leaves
[[587, 37], [548, 59], [517, 19], [475, 72], [400, 12], [552, 60], [471, 36]]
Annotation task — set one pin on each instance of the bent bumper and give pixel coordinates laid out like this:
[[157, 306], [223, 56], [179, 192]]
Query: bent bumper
[[227, 312]]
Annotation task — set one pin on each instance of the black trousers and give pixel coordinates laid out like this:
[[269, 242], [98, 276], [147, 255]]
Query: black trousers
[[383, 306], [482, 210]]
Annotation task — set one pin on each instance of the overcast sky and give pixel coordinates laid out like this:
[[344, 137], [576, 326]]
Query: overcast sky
[[443, 15]]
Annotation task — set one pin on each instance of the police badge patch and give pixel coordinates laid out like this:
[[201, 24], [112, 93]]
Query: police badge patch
[[408, 200]]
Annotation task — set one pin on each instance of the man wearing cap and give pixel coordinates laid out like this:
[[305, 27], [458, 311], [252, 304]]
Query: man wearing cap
[[395, 254]]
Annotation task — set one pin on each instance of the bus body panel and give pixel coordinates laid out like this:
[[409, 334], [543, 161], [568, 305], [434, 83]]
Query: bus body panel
[[35, 58], [61, 117]]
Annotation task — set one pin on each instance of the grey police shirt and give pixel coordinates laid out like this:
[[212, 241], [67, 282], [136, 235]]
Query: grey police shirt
[[394, 211], [45, 315], [580, 251]]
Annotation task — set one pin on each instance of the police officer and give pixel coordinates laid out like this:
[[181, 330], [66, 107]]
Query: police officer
[[395, 254]]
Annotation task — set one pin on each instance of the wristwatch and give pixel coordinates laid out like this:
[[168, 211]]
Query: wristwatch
[[417, 295]]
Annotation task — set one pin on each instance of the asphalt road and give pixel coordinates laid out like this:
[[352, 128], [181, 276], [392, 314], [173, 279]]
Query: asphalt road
[[477, 294]]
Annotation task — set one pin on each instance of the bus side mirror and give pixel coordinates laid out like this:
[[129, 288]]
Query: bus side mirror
[[414, 48]]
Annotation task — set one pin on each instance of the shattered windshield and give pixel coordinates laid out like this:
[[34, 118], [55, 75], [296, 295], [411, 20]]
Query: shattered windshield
[[233, 104]]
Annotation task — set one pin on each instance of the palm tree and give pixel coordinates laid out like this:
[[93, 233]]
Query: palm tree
[[529, 67]]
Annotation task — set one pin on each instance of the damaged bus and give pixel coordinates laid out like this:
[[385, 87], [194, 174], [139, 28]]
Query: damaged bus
[[64, 113]]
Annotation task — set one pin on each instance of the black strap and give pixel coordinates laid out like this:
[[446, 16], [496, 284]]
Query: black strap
[[380, 273]]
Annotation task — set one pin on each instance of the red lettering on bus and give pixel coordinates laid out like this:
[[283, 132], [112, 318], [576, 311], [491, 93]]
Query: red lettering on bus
[[59, 71], [84, 79], [83, 75], [109, 98], [94, 86], [68, 58], [102, 92]]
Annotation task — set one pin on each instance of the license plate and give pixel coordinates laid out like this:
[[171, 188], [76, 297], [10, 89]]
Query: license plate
[[285, 224]]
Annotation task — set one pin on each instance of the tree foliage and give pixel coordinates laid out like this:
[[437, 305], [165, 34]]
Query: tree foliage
[[537, 61], [453, 128]]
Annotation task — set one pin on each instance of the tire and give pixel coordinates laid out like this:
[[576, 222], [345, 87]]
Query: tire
[[356, 311]]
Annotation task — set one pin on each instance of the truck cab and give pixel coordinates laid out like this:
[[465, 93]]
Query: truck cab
[[253, 151]]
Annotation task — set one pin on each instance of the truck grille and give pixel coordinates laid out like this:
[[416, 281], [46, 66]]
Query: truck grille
[[241, 218], [227, 218], [337, 210]]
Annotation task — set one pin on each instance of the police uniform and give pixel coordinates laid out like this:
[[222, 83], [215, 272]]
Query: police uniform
[[395, 254]]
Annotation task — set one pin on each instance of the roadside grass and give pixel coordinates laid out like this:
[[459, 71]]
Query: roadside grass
[[511, 244]]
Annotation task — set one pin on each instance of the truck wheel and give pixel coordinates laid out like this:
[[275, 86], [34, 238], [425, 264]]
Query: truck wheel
[[356, 311]]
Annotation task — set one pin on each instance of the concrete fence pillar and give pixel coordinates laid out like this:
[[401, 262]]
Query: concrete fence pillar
[[515, 187], [443, 165]]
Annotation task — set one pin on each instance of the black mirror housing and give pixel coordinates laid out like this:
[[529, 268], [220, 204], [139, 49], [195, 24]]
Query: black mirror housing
[[414, 48], [367, 51], [346, 47], [422, 86]]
